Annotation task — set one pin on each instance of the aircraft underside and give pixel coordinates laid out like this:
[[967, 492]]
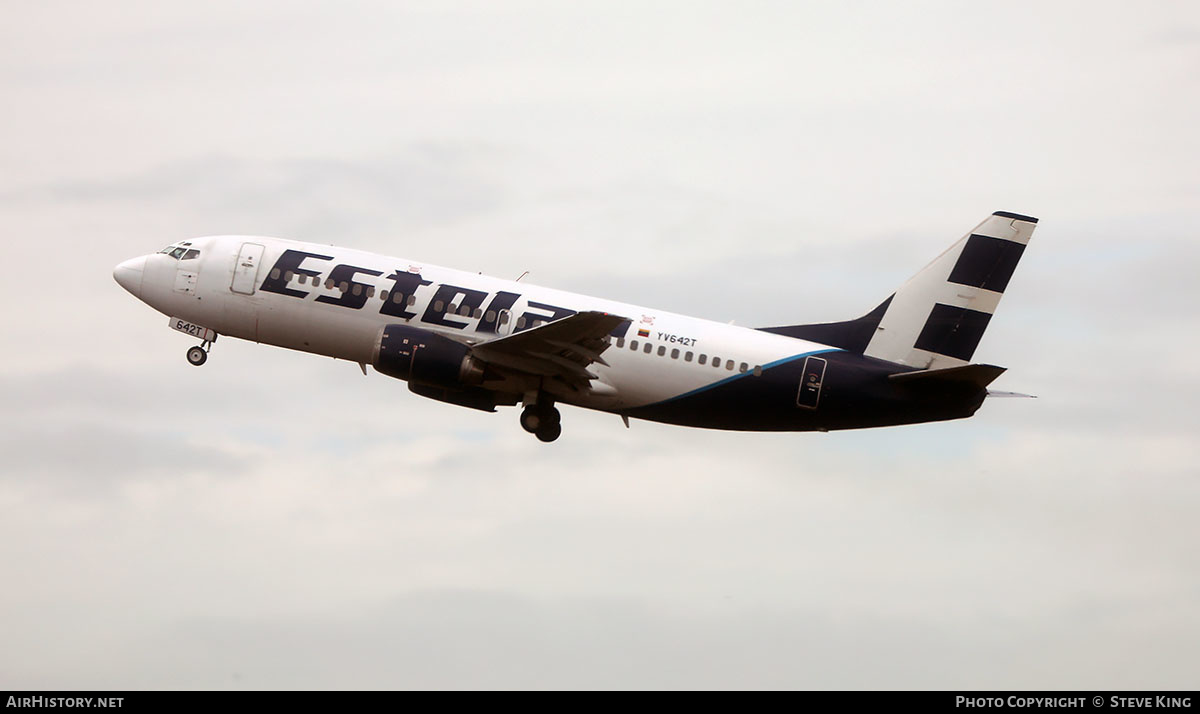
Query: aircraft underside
[[821, 392]]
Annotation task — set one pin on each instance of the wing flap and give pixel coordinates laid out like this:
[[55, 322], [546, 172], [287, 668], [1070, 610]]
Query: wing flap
[[564, 348]]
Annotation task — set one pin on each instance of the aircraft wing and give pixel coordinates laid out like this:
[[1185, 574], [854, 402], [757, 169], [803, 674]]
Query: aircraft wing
[[564, 348]]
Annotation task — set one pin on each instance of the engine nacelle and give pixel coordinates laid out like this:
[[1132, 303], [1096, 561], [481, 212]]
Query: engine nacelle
[[473, 397], [425, 358]]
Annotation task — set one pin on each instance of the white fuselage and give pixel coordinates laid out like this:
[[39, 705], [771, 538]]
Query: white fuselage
[[233, 291]]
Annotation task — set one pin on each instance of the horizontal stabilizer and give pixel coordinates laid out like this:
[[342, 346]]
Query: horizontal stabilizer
[[1015, 395], [977, 375]]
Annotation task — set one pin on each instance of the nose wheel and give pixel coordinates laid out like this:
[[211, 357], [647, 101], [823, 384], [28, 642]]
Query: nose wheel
[[198, 355], [543, 421]]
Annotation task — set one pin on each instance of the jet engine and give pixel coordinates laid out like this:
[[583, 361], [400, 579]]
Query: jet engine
[[435, 367], [425, 358]]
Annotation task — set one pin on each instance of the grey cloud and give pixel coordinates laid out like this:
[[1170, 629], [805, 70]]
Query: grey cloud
[[323, 198], [468, 639], [76, 460], [1176, 36]]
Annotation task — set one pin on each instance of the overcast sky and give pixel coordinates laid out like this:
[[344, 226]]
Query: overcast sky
[[275, 519]]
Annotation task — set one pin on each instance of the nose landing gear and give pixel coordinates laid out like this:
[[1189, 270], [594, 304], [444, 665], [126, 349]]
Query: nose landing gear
[[542, 420], [198, 355]]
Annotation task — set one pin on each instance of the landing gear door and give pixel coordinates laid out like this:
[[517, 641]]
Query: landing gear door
[[245, 270], [810, 382]]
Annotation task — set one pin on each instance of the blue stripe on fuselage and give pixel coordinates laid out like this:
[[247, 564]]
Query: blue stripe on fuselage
[[740, 375]]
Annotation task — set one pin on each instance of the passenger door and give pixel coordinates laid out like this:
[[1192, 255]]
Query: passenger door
[[245, 270], [810, 382]]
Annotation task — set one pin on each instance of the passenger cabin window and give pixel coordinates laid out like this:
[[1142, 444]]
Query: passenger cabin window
[[744, 367], [662, 351], [687, 356], [633, 344], [675, 354], [620, 342], [275, 274], [758, 370], [703, 358], [648, 348]]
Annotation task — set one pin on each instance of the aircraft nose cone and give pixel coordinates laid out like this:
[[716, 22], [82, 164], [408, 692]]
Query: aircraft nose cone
[[129, 275]]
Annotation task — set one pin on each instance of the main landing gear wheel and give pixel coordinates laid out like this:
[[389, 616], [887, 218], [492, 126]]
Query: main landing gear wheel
[[530, 421], [197, 356], [549, 432], [543, 421], [535, 417]]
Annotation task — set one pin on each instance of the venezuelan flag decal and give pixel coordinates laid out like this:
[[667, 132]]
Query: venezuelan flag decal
[[643, 333]]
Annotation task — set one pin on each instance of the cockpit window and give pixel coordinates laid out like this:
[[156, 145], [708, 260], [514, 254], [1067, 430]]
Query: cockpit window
[[181, 251]]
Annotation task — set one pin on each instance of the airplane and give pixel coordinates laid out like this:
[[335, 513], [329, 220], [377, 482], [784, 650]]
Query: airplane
[[483, 342]]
